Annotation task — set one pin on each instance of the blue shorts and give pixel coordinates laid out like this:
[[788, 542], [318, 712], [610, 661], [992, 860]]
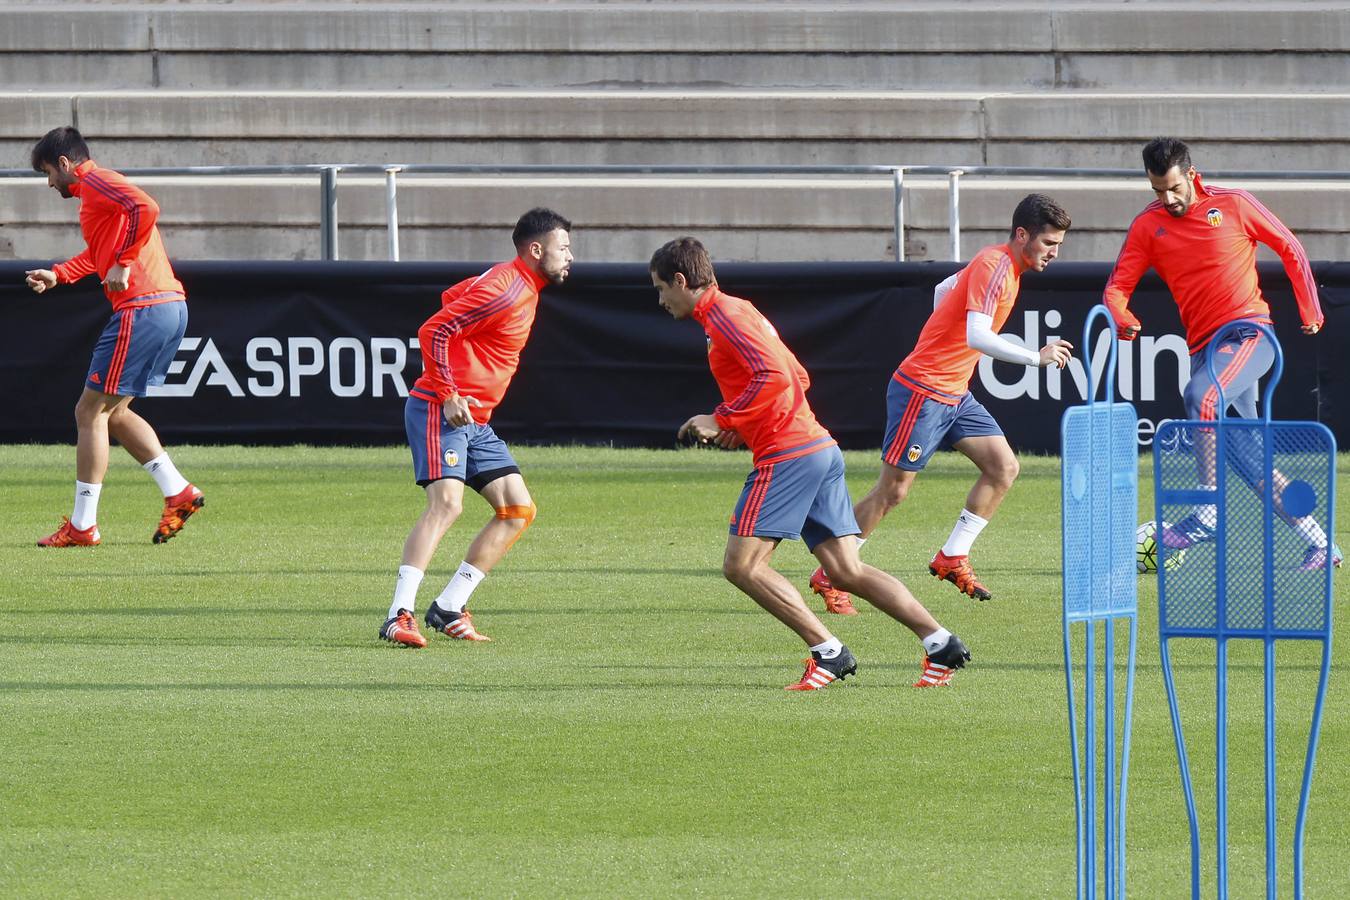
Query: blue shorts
[[136, 347], [470, 453], [1240, 359], [803, 498], [916, 426]]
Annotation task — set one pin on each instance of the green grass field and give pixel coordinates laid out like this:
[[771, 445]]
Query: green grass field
[[215, 716]]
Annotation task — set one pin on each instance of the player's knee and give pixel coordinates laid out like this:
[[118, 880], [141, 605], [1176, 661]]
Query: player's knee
[[521, 516], [846, 575], [736, 570], [444, 510], [893, 493]]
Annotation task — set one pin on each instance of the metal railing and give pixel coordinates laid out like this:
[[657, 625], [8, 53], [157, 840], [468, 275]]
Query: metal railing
[[327, 175]]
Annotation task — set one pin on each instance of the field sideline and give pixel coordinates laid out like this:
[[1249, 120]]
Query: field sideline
[[216, 715]]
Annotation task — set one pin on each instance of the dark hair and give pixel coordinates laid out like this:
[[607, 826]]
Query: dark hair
[[1161, 154], [1038, 212], [688, 257], [535, 224], [64, 141]]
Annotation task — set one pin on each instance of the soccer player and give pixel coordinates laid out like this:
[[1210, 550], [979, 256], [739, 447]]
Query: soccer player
[[928, 401], [124, 249], [797, 487], [1202, 241], [470, 350]]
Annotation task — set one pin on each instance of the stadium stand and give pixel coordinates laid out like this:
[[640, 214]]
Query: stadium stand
[[1251, 85]]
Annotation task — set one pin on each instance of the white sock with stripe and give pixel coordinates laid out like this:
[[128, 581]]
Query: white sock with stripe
[[166, 475], [968, 528], [936, 641], [829, 649], [405, 589], [85, 514], [456, 594], [1308, 529]]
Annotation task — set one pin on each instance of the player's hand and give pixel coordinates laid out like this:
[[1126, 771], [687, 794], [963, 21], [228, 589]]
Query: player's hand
[[456, 409], [117, 278], [1128, 327], [1313, 328], [40, 279], [729, 439], [703, 429], [1056, 353]]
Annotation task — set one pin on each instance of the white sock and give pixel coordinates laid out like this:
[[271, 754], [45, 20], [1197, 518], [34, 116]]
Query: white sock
[[968, 528], [830, 649], [405, 589], [936, 641], [1308, 529], [165, 473], [86, 505], [1207, 513], [461, 586]]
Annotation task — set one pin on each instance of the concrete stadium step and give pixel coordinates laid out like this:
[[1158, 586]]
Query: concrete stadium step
[[1254, 46], [1073, 128], [625, 219]]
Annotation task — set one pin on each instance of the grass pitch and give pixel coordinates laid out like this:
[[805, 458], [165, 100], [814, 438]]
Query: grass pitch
[[216, 715]]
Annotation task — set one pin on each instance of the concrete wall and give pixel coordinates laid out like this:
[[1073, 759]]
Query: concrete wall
[[1252, 85]]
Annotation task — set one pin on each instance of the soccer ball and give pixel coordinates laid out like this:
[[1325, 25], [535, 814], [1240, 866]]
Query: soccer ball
[[1146, 550]]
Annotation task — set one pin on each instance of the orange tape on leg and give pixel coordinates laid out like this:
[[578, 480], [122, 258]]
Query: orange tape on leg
[[525, 513]]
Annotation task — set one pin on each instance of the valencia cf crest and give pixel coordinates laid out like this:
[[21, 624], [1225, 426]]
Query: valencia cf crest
[[1214, 217], [451, 458], [914, 452]]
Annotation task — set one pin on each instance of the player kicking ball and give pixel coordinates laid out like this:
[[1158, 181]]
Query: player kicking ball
[[797, 487], [149, 317], [470, 351], [929, 403]]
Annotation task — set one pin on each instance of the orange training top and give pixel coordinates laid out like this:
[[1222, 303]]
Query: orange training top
[[118, 222], [941, 364], [1208, 259], [472, 346], [763, 385]]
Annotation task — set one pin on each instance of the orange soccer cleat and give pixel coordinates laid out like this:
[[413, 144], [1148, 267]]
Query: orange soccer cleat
[[457, 625], [70, 536], [821, 672], [177, 509], [402, 629], [957, 570], [836, 601], [939, 665]]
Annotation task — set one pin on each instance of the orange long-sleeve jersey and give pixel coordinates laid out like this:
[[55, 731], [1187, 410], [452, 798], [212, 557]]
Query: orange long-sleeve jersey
[[941, 364], [763, 385], [472, 346], [117, 220], [1208, 260]]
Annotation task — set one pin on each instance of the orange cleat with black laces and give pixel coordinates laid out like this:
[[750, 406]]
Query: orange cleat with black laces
[[836, 601], [70, 536], [177, 509], [402, 629], [957, 570]]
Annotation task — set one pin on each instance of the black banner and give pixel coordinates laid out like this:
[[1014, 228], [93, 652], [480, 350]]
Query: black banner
[[280, 352]]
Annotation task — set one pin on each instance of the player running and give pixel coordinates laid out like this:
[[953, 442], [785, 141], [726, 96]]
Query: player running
[[124, 249], [1202, 241], [928, 401], [470, 351], [797, 487]]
